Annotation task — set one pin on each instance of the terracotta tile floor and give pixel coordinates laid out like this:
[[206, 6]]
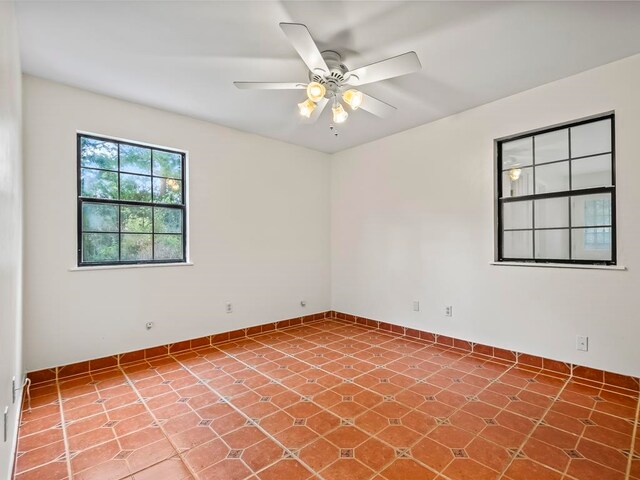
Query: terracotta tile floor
[[328, 400]]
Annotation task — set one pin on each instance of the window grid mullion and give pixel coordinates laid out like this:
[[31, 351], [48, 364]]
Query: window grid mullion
[[119, 211], [153, 215], [570, 189], [533, 203], [119, 203], [568, 194]]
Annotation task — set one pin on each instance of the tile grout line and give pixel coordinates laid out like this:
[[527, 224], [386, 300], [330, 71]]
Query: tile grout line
[[131, 383], [602, 386], [512, 365], [105, 412], [324, 409], [500, 410], [244, 415], [376, 365], [184, 451], [584, 381], [563, 378], [429, 343], [392, 336], [632, 449], [64, 431], [218, 437], [344, 337], [508, 368], [528, 437], [581, 436]]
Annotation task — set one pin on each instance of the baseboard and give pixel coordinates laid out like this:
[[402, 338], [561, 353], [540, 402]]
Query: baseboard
[[585, 374], [65, 371]]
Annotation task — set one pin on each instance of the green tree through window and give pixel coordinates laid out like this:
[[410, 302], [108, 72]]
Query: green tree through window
[[131, 203]]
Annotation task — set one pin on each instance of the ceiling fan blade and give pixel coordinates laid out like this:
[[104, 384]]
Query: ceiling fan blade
[[318, 110], [375, 106], [389, 68], [269, 85], [300, 38]]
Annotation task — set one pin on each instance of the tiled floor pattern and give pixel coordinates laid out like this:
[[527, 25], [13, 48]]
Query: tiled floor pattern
[[328, 400]]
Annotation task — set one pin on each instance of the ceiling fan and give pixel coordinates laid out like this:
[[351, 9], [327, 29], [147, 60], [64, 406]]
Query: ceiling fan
[[330, 80]]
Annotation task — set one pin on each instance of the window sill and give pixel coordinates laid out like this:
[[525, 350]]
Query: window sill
[[141, 265], [560, 265]]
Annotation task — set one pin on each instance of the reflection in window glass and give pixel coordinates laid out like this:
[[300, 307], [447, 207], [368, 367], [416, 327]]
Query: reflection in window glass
[[591, 172], [517, 153], [552, 146], [556, 194], [131, 203], [591, 138]]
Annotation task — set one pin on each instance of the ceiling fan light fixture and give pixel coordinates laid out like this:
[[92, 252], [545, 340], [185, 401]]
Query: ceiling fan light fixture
[[353, 98], [339, 113], [306, 108], [514, 174], [316, 91]]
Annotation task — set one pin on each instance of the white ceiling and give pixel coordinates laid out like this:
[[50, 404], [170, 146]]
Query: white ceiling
[[183, 56]]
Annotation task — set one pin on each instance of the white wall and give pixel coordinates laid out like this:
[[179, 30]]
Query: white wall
[[410, 218], [413, 219], [10, 231], [258, 233]]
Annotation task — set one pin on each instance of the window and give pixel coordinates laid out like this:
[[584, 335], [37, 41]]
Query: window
[[556, 194], [131, 203]]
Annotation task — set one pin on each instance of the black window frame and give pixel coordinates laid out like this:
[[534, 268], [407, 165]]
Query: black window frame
[[82, 200], [500, 200]]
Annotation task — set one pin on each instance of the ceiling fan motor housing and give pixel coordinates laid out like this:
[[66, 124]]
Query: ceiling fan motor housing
[[335, 79]]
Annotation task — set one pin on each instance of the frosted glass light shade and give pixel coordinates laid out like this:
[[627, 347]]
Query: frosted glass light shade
[[339, 113], [316, 91], [353, 98], [306, 108]]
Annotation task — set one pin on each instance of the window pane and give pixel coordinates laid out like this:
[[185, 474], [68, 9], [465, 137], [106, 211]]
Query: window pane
[[517, 215], [517, 153], [167, 220], [167, 190], [100, 247], [552, 146], [591, 210], [517, 182], [591, 138], [168, 247], [552, 212], [591, 172], [99, 217], [591, 243], [98, 154], [166, 164], [135, 247], [98, 184], [552, 244], [136, 219], [552, 178], [518, 244], [135, 187], [135, 159]]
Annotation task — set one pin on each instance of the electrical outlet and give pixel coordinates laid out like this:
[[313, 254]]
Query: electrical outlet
[[448, 311], [582, 343], [416, 306], [229, 307]]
